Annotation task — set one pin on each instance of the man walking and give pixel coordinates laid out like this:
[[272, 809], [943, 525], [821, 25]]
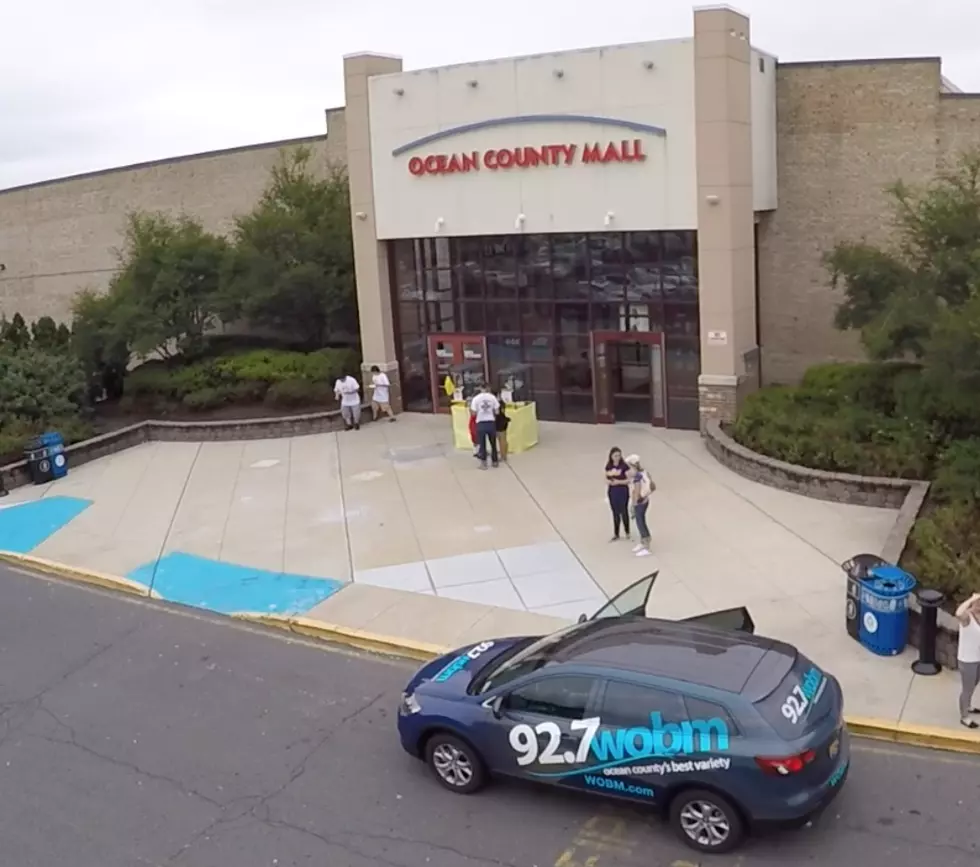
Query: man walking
[[484, 408], [348, 391], [380, 394]]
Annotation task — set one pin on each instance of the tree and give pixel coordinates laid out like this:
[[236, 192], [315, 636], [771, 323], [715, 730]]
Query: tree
[[294, 265], [49, 336], [920, 299], [167, 293], [99, 344], [39, 386]]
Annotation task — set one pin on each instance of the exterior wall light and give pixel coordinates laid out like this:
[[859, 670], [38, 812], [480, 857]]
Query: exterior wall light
[[559, 73], [440, 222], [519, 222], [399, 91], [610, 216], [361, 215], [648, 65], [712, 199], [473, 83]]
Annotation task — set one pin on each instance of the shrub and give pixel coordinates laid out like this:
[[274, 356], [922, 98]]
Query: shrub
[[297, 392], [793, 425], [39, 386], [241, 378], [958, 474], [204, 399], [944, 549]]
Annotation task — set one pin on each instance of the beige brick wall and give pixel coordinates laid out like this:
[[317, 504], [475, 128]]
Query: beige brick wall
[[59, 237], [845, 131]]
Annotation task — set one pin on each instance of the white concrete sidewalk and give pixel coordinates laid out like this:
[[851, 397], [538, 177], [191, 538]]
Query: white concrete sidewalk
[[395, 508]]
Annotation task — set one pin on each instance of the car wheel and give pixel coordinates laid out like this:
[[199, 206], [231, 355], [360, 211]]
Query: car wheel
[[706, 821], [455, 763]]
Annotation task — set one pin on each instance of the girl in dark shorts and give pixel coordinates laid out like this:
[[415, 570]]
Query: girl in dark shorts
[[503, 422]]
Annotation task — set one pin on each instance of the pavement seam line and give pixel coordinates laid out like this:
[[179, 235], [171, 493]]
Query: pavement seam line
[[932, 737], [343, 505], [173, 515]]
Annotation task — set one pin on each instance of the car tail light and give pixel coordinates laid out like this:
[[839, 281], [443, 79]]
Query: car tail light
[[786, 766]]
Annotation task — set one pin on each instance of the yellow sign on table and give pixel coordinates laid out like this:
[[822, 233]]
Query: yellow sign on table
[[522, 433]]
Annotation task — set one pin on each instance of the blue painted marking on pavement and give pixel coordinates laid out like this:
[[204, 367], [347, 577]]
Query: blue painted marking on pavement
[[231, 589], [24, 526]]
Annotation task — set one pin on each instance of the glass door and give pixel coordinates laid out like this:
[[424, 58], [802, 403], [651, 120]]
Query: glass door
[[629, 377], [447, 351]]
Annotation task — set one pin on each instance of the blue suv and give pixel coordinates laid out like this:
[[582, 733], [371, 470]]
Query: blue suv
[[720, 729]]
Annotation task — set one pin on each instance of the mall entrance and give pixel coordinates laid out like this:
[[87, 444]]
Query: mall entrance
[[629, 377], [606, 325]]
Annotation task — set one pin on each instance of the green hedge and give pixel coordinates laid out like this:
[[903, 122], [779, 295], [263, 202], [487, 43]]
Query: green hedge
[[15, 432], [885, 420], [278, 377]]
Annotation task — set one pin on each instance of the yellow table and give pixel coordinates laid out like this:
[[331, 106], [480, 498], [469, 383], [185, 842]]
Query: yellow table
[[522, 433]]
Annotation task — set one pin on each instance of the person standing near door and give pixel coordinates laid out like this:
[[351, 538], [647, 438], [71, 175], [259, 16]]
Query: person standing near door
[[641, 488], [502, 422], [484, 408], [348, 391], [380, 394], [618, 491]]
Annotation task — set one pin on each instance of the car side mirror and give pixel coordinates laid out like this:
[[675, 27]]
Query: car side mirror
[[582, 618]]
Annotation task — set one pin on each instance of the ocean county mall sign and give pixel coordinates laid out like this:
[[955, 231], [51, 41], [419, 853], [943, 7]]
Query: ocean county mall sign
[[627, 150]]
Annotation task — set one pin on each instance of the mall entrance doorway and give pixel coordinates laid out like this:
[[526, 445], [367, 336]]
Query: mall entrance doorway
[[447, 351], [629, 377]]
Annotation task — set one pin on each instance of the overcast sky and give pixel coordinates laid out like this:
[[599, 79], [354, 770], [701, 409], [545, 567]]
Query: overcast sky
[[94, 84]]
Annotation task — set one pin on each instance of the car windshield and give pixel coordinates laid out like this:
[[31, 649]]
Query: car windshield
[[529, 659]]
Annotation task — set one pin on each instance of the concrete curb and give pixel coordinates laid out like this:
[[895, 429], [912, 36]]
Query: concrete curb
[[403, 647], [72, 573], [931, 737]]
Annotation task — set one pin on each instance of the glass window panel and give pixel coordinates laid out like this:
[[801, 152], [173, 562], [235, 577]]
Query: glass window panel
[[570, 267], [472, 316], [503, 316], [504, 350], [432, 253], [438, 285], [642, 248], [681, 318], [469, 269], [414, 372], [411, 319], [407, 284], [643, 282], [539, 349], [575, 363], [537, 317], [572, 318], [608, 280], [679, 273], [534, 266], [500, 268], [442, 317], [609, 317]]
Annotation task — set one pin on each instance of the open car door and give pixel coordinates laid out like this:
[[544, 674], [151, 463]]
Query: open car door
[[633, 601]]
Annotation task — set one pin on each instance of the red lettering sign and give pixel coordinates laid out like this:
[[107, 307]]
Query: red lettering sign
[[527, 157]]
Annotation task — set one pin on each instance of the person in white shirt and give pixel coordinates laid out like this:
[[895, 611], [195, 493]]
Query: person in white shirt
[[348, 392], [380, 394], [484, 408], [968, 658]]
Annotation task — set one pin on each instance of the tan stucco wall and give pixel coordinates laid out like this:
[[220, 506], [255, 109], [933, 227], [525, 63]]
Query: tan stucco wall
[[59, 237], [845, 131]]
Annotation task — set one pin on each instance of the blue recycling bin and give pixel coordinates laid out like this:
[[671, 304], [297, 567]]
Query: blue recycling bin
[[884, 610], [55, 445]]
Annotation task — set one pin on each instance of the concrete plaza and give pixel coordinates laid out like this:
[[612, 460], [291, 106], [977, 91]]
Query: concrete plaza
[[431, 548]]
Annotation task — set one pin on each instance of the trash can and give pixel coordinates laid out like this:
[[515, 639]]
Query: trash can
[[55, 444], [857, 569], [38, 461], [884, 610]]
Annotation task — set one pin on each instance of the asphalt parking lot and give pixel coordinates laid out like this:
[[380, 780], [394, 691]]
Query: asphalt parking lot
[[134, 734]]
